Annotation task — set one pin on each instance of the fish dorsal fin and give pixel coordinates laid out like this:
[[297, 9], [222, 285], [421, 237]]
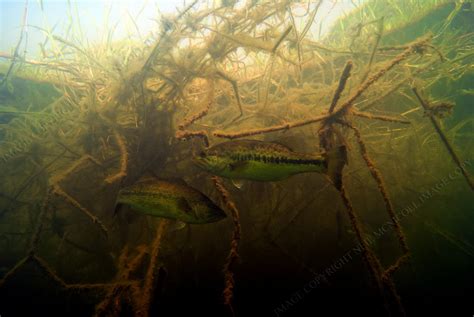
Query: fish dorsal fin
[[249, 144], [269, 144], [283, 145]]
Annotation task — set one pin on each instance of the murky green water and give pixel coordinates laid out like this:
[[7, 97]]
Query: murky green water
[[354, 194]]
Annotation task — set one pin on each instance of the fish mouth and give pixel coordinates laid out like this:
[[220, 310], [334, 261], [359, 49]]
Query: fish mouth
[[217, 215]]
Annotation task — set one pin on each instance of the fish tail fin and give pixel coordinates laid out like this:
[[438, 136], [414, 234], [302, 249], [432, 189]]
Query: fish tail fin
[[336, 159]]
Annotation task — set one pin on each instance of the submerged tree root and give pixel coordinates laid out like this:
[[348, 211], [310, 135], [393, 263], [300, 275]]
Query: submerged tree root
[[111, 305], [377, 176], [382, 278], [123, 160], [183, 134], [44, 267], [367, 253], [233, 256], [195, 118], [139, 296], [148, 290], [328, 139], [58, 191], [346, 73]]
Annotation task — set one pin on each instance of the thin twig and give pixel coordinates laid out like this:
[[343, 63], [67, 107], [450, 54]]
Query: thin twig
[[444, 139], [281, 38], [372, 116], [346, 73]]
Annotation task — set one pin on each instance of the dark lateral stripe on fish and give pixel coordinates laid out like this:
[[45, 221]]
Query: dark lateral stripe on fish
[[275, 159]]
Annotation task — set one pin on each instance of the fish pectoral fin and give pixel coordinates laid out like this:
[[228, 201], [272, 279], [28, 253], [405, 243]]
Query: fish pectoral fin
[[176, 225], [239, 183], [237, 165]]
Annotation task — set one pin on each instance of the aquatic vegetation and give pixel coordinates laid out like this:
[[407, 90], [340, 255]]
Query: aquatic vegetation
[[207, 78]]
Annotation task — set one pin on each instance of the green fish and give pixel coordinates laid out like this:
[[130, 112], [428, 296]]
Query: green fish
[[265, 161], [170, 199]]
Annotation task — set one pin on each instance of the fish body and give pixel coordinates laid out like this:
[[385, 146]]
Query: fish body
[[258, 161], [172, 200]]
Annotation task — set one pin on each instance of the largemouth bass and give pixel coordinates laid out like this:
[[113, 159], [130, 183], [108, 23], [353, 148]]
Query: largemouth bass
[[170, 199], [265, 161]]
